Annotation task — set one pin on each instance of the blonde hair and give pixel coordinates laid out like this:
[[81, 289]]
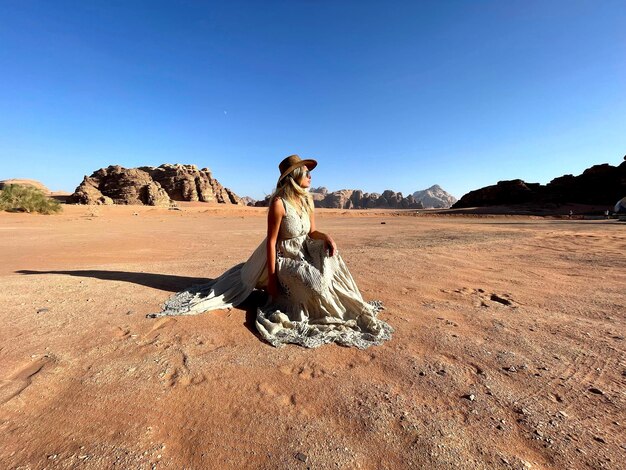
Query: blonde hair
[[289, 189]]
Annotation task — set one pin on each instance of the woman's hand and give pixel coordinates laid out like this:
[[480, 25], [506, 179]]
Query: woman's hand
[[330, 244], [273, 288], [328, 241]]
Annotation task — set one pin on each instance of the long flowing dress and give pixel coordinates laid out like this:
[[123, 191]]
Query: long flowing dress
[[319, 302]]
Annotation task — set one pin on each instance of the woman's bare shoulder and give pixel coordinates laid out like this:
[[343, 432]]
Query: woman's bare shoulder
[[277, 205]]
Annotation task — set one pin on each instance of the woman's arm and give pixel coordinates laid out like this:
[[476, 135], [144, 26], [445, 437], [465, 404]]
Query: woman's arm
[[274, 217], [313, 233]]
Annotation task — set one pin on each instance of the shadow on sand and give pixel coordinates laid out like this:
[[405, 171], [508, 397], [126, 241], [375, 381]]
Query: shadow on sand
[[166, 282]]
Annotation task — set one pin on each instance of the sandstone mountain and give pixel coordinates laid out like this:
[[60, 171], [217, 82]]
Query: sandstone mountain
[[318, 194], [601, 184], [154, 186], [247, 201], [357, 199], [434, 198]]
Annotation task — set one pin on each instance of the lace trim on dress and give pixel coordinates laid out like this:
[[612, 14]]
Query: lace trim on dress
[[361, 333]]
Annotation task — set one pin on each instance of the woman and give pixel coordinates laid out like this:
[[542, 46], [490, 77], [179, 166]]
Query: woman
[[313, 299]]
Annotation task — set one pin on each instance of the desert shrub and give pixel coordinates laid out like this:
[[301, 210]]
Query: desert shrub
[[18, 198]]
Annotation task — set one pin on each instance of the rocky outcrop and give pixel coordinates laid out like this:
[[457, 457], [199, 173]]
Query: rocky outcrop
[[502, 193], [248, 201], [434, 198], [88, 193], [338, 199], [118, 185], [318, 194], [357, 199], [188, 183], [601, 184], [154, 186]]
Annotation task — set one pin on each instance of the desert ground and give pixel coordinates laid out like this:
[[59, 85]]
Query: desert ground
[[509, 348]]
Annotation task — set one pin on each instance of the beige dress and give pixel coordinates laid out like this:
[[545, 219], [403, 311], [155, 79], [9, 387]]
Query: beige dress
[[319, 301]]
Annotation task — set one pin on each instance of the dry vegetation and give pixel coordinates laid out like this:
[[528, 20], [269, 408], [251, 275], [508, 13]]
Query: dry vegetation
[[18, 198]]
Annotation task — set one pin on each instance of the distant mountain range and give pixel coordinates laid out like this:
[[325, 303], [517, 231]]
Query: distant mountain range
[[433, 197], [598, 185], [357, 199], [167, 183]]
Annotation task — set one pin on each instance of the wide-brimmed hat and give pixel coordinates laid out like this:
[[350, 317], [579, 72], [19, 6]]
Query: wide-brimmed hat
[[292, 162]]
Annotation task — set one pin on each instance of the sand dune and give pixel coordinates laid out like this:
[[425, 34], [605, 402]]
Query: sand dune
[[509, 349]]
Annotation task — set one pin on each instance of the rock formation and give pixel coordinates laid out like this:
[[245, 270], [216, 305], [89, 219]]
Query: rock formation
[[247, 201], [434, 198], [319, 194], [187, 183], [601, 184], [357, 199], [154, 186]]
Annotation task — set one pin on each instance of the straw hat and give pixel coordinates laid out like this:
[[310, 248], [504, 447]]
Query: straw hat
[[292, 162]]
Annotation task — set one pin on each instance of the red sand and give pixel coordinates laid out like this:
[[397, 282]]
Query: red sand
[[524, 315]]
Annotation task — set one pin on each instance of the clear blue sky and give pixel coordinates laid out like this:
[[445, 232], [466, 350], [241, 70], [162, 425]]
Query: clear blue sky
[[385, 95]]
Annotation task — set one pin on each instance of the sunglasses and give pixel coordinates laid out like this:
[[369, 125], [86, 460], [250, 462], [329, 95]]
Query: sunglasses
[[307, 173]]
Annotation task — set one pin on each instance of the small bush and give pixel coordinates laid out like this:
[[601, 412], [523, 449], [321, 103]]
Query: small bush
[[17, 198]]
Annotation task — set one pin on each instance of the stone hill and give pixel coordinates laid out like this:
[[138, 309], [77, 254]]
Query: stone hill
[[599, 185], [434, 198], [357, 199], [154, 186]]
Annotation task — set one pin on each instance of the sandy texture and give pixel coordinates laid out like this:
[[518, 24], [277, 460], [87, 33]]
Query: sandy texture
[[509, 349]]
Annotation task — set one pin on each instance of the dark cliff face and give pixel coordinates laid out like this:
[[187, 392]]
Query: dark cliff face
[[601, 184], [155, 186], [504, 192]]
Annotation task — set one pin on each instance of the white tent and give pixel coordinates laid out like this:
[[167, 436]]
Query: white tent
[[620, 207]]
